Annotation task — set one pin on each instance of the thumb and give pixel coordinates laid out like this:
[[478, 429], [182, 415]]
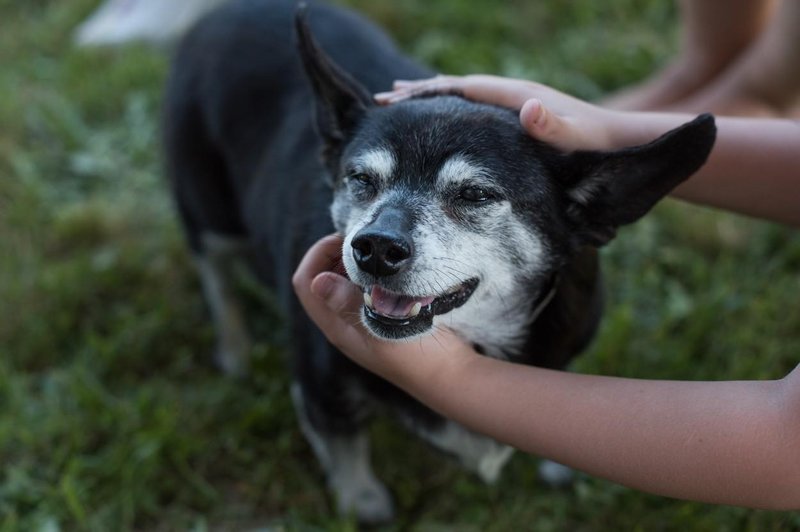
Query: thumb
[[547, 126], [338, 294], [585, 128], [334, 306]]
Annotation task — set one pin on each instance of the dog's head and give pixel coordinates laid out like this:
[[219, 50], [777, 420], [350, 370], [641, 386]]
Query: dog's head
[[452, 215]]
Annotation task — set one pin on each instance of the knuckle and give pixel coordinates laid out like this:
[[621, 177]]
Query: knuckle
[[297, 281]]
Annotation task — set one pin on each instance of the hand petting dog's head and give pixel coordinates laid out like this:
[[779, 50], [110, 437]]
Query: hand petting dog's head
[[453, 216]]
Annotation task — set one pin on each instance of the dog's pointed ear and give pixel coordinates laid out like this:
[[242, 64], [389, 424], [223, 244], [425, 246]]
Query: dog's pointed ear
[[608, 189], [341, 102]]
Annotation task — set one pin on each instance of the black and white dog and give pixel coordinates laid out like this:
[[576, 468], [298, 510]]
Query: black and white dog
[[452, 216]]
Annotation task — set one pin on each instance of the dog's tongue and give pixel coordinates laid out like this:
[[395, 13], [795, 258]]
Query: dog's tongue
[[395, 305]]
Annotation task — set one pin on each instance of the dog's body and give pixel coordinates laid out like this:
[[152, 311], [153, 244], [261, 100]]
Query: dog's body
[[452, 216]]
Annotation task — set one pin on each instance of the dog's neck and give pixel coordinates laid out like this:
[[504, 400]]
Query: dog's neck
[[545, 296], [543, 299]]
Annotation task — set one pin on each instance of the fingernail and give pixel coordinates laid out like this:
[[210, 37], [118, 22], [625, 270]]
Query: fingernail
[[532, 114], [390, 97], [541, 113], [322, 286], [537, 110], [399, 97]]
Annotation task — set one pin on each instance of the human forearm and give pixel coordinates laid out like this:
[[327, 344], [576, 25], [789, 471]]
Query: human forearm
[[754, 168], [721, 442]]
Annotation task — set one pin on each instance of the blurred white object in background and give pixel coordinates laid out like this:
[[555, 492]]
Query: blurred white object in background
[[154, 21]]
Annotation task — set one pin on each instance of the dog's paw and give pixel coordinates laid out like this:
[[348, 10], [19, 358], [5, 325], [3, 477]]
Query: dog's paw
[[556, 475], [233, 358], [368, 500], [491, 464]]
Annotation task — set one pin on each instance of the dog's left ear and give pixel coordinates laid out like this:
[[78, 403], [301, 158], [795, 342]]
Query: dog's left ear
[[608, 189], [341, 101]]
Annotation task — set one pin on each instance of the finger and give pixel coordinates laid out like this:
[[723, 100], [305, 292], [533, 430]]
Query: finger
[[386, 98], [531, 116], [329, 300], [547, 126], [414, 91], [324, 255], [405, 89], [332, 302], [494, 90], [480, 88], [339, 294], [408, 83], [404, 83]]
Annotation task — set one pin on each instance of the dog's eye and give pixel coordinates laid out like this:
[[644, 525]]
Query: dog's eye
[[362, 185], [362, 179], [475, 194]]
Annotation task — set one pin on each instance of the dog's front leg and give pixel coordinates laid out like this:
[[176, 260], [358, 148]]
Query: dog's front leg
[[477, 453], [341, 445], [215, 264]]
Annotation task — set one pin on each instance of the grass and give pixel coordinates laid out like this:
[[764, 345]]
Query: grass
[[111, 416]]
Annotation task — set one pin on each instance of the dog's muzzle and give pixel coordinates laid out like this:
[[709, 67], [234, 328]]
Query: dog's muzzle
[[395, 316], [382, 249]]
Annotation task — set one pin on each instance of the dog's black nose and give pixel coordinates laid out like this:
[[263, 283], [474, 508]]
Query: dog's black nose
[[381, 253]]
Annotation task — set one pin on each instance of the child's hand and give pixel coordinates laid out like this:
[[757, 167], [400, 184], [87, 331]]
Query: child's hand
[[334, 304], [546, 114]]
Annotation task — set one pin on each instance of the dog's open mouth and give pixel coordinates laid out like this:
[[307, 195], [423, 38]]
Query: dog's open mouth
[[392, 315]]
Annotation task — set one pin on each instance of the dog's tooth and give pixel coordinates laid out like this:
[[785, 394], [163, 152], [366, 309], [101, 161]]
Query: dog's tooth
[[367, 300], [415, 309]]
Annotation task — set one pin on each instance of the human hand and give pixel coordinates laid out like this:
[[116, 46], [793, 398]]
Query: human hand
[[546, 114], [334, 304]]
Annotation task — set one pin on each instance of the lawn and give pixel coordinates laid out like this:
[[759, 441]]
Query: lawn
[[112, 416]]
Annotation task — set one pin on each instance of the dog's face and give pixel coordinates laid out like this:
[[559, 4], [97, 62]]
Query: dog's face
[[447, 212], [453, 216]]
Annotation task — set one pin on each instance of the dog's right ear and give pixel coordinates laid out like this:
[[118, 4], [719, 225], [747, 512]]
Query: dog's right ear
[[341, 102], [612, 188]]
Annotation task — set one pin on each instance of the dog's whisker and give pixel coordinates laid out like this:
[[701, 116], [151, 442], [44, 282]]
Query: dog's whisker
[[455, 277], [456, 272]]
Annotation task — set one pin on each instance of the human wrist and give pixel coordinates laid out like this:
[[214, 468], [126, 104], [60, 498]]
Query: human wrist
[[633, 128], [627, 128], [424, 367]]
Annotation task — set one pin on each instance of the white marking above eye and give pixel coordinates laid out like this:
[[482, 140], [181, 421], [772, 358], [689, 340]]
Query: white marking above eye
[[458, 169], [377, 162]]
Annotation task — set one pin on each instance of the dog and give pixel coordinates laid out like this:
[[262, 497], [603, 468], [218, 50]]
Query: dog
[[451, 215]]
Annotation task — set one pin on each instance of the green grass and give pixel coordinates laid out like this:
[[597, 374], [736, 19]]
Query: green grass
[[111, 415]]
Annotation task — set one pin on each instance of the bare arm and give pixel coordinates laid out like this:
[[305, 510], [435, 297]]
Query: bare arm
[[754, 168], [721, 442]]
